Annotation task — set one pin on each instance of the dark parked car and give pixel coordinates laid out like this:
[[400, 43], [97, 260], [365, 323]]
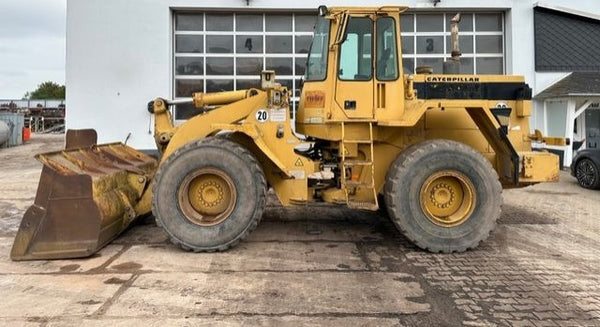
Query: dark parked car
[[586, 168]]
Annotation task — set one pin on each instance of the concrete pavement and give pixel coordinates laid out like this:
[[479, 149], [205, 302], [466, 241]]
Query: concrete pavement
[[316, 266]]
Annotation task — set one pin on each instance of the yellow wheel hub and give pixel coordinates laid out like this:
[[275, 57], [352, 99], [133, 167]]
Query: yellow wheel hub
[[448, 198], [207, 197]]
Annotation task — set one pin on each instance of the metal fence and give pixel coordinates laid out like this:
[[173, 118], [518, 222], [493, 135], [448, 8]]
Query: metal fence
[[41, 116], [22, 104]]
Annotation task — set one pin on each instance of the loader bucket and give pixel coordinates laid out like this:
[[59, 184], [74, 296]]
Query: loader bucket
[[87, 195]]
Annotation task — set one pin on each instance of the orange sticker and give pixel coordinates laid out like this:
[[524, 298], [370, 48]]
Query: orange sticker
[[314, 99]]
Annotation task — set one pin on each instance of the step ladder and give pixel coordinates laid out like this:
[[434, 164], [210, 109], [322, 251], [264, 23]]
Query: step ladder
[[349, 184]]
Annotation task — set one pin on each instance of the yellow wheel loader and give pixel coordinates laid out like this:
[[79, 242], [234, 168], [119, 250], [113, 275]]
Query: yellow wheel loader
[[436, 149]]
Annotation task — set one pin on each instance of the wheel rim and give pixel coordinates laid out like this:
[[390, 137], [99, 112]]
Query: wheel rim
[[448, 198], [207, 197], [586, 173]]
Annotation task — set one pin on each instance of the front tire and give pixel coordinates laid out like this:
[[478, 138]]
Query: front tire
[[209, 195], [443, 195]]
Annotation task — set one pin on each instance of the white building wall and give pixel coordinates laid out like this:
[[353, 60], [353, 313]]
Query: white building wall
[[118, 58], [119, 53], [543, 80]]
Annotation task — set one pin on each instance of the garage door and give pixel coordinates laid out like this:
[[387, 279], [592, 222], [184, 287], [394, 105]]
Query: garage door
[[226, 51]]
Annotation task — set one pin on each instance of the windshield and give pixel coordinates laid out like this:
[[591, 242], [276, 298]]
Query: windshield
[[316, 65]]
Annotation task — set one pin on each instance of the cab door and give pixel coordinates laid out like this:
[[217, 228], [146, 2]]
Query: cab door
[[389, 87], [354, 81]]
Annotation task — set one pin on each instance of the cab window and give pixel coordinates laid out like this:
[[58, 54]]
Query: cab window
[[387, 60], [355, 54], [316, 66]]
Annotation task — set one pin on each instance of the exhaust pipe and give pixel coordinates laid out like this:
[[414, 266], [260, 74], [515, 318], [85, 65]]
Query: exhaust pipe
[[452, 66]]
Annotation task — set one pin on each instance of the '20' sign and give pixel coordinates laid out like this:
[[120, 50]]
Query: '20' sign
[[262, 115]]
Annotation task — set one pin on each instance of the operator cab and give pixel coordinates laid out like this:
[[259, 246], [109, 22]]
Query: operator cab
[[354, 67]]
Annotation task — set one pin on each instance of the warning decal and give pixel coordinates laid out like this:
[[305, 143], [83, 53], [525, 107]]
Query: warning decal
[[278, 115], [299, 163]]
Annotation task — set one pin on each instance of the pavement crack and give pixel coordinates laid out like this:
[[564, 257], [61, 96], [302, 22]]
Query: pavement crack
[[103, 266], [124, 287]]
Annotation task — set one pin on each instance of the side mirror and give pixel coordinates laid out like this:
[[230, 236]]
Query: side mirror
[[322, 11]]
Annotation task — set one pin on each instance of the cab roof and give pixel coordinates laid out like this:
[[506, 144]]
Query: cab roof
[[369, 10]]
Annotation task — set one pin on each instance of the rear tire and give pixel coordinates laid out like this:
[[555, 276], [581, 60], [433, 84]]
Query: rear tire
[[443, 195], [209, 195]]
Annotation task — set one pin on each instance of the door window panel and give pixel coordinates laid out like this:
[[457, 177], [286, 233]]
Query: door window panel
[[408, 65], [430, 44], [219, 44], [466, 66], [465, 44], [185, 87], [279, 44], [189, 22], [303, 43], [408, 45], [278, 23], [281, 66], [300, 66], [465, 24], [185, 111], [355, 54], [387, 61], [219, 66], [249, 44], [219, 22], [286, 82], [189, 43], [249, 23], [189, 66], [407, 23], [430, 22], [435, 63], [243, 84], [489, 65], [249, 66], [488, 22], [489, 43], [219, 85], [305, 23]]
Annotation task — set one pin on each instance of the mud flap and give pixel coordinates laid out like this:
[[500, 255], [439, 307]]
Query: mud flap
[[87, 195]]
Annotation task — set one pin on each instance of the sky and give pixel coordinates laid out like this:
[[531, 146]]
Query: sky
[[32, 45]]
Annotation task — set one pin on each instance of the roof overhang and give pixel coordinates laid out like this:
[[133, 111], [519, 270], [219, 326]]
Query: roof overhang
[[584, 95], [567, 10], [574, 85]]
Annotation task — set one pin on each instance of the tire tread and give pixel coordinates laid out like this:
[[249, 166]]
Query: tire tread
[[256, 170], [405, 163]]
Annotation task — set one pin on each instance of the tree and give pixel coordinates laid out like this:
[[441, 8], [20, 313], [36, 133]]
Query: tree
[[47, 90]]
